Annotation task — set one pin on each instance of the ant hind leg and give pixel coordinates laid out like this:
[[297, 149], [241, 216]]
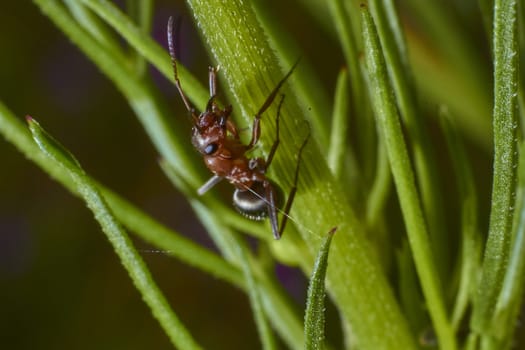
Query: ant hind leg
[[293, 190]]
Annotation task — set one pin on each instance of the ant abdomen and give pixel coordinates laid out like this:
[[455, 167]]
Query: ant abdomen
[[252, 203]]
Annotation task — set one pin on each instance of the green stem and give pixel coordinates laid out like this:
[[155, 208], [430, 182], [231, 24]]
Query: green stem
[[496, 255], [385, 109]]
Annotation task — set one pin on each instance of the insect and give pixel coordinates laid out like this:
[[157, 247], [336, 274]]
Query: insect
[[216, 137]]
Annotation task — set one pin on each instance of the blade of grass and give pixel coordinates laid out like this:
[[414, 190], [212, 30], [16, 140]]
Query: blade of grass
[[339, 136], [388, 121], [510, 299], [359, 288], [314, 319], [341, 157], [496, 254], [130, 258], [141, 12], [427, 174], [378, 195]]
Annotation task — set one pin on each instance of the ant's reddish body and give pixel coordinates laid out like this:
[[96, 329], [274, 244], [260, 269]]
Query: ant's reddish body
[[216, 137]]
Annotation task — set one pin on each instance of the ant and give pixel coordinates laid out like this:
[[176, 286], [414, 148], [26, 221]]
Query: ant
[[216, 137]]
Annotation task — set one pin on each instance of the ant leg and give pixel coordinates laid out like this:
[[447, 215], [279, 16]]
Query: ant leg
[[171, 48], [214, 180], [256, 122], [277, 139], [272, 211], [293, 190]]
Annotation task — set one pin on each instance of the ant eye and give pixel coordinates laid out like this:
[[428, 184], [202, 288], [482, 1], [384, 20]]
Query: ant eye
[[210, 148]]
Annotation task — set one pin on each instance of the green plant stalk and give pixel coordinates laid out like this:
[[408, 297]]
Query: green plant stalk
[[381, 187], [314, 317], [358, 286], [341, 157], [385, 109], [141, 12], [510, 299], [130, 258], [427, 174], [496, 254]]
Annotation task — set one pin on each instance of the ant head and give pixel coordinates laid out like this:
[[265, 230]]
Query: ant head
[[208, 132]]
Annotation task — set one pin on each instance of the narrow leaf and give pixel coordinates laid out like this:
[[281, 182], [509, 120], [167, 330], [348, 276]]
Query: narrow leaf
[[130, 258], [314, 316], [388, 122], [505, 124], [340, 120], [511, 297]]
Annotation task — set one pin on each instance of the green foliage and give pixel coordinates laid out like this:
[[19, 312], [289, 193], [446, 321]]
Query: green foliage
[[405, 263]]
